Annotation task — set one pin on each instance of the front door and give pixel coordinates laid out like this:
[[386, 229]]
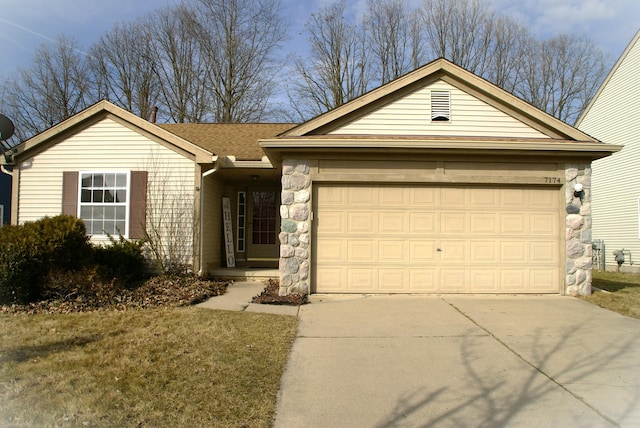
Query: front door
[[264, 220]]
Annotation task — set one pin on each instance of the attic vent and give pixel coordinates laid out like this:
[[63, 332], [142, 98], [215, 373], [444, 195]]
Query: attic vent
[[440, 106]]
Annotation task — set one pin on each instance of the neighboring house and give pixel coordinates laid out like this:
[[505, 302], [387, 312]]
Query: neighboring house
[[5, 198], [438, 182], [613, 116]]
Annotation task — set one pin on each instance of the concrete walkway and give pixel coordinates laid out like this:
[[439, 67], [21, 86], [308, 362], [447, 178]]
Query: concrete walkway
[[238, 298], [429, 361]]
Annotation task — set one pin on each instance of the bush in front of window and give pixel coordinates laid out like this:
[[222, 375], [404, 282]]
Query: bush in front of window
[[122, 260], [30, 252]]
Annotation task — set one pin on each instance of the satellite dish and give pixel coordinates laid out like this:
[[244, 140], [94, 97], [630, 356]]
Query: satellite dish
[[6, 127]]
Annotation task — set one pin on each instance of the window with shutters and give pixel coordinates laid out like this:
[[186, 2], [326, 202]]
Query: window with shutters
[[104, 202], [440, 106]]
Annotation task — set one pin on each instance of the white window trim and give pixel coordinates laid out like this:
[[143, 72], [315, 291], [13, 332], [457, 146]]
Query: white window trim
[[127, 204], [1, 215]]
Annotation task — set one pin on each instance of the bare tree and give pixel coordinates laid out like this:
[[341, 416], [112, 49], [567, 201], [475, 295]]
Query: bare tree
[[53, 89], [460, 31], [239, 40], [562, 74], [507, 53], [337, 70], [123, 68], [390, 32], [180, 68]]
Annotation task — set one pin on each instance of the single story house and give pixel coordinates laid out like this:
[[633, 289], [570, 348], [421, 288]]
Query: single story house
[[437, 182], [615, 182]]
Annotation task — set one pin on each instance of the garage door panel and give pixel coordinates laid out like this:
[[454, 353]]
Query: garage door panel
[[420, 197], [422, 222], [453, 251], [514, 252], [543, 280], [543, 252], [453, 197], [361, 251], [514, 224], [332, 279], [543, 224], [332, 250], [482, 198], [391, 280], [412, 239], [484, 252], [392, 222], [484, 280], [453, 280], [333, 221], [392, 251], [453, 223], [483, 223], [423, 280], [364, 196], [362, 279], [422, 251], [361, 222], [513, 280]]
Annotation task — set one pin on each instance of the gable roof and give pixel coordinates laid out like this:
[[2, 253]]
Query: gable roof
[[440, 69], [227, 139], [606, 81], [321, 134], [99, 111]]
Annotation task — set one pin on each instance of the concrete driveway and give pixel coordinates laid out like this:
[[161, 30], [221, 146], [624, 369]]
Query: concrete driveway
[[445, 361]]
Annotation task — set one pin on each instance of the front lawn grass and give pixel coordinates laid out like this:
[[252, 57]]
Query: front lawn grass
[[621, 292], [154, 367]]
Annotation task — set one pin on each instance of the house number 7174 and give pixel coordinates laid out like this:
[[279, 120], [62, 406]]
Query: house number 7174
[[552, 180]]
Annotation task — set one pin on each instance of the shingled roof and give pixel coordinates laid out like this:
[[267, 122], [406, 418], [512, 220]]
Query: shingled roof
[[228, 139]]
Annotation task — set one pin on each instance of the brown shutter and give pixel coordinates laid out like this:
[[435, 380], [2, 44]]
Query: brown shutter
[[70, 193], [138, 204]]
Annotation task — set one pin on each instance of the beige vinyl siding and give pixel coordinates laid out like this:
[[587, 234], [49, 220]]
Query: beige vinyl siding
[[411, 115], [212, 192], [104, 146], [615, 185]]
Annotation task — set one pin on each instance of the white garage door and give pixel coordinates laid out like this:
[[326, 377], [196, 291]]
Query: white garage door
[[419, 239]]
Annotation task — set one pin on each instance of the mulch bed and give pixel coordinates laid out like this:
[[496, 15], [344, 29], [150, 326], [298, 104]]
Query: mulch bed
[[160, 291], [270, 296]]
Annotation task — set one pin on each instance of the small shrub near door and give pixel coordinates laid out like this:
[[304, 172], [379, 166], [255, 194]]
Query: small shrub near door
[[122, 260]]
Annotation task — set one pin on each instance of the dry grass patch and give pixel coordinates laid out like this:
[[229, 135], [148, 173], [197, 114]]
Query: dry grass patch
[[621, 292], [157, 367]]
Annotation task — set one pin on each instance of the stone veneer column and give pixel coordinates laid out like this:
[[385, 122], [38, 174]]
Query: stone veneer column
[[295, 212], [578, 231]]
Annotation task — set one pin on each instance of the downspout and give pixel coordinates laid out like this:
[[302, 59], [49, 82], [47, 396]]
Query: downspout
[[216, 167]]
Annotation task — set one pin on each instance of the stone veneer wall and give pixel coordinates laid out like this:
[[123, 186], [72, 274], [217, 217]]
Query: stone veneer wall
[[295, 227], [578, 231], [295, 212]]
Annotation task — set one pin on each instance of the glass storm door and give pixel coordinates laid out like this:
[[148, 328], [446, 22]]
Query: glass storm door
[[264, 223]]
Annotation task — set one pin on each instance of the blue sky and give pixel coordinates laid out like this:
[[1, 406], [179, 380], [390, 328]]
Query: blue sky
[[26, 24]]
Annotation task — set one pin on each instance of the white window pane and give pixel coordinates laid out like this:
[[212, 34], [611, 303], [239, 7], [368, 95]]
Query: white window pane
[[121, 227], [110, 227], [97, 213], [121, 180], [110, 212], [109, 180], [97, 228], [121, 213], [86, 180], [121, 196], [98, 180]]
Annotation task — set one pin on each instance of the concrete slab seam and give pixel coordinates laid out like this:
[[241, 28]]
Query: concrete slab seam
[[577, 397]]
